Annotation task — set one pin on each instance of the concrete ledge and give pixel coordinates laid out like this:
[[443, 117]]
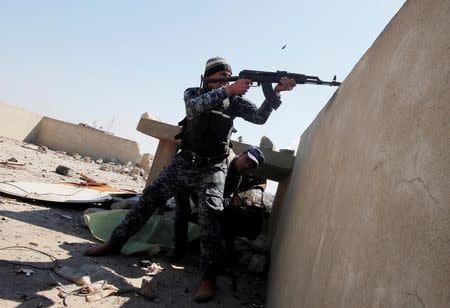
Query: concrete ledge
[[158, 130], [277, 166]]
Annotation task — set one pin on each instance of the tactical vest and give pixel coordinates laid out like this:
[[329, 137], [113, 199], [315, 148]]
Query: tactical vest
[[207, 134]]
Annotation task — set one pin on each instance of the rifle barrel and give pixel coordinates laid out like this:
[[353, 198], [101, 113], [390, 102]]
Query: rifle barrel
[[316, 80], [299, 79]]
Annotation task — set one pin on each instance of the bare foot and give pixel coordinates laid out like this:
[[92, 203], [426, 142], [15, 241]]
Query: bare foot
[[205, 291], [100, 250]]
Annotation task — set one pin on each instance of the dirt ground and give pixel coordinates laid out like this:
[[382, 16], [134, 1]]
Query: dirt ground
[[54, 230]]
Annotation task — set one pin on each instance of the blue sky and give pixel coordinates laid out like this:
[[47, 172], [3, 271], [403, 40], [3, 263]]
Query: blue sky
[[110, 61]]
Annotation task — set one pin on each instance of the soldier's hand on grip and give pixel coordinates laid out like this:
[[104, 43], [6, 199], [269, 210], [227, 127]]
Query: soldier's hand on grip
[[240, 87]]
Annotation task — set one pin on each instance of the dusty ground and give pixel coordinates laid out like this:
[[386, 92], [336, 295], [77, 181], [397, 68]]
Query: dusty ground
[[55, 230]]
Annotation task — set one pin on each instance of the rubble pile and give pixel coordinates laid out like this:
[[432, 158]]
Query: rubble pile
[[23, 161]]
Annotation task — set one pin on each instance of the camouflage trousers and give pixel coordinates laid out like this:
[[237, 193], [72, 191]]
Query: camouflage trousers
[[182, 217], [207, 181], [211, 222]]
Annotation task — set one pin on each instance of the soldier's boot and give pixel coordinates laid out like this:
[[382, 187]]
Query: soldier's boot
[[100, 250], [205, 291]]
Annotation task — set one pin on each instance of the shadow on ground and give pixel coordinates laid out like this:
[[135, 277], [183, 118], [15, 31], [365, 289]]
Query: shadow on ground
[[173, 287]]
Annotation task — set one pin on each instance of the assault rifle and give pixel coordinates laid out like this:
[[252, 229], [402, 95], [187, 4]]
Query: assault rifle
[[265, 79]]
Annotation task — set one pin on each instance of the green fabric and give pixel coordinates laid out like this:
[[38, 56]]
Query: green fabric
[[158, 231]]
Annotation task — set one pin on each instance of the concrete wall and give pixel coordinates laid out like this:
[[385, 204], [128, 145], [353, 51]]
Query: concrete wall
[[86, 141], [26, 126], [366, 220], [18, 124]]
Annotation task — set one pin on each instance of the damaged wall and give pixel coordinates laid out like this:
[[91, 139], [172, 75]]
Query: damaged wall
[[366, 219], [74, 138], [58, 135], [17, 123]]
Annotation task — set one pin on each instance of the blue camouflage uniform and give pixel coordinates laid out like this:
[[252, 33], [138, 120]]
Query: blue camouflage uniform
[[204, 177], [183, 207]]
